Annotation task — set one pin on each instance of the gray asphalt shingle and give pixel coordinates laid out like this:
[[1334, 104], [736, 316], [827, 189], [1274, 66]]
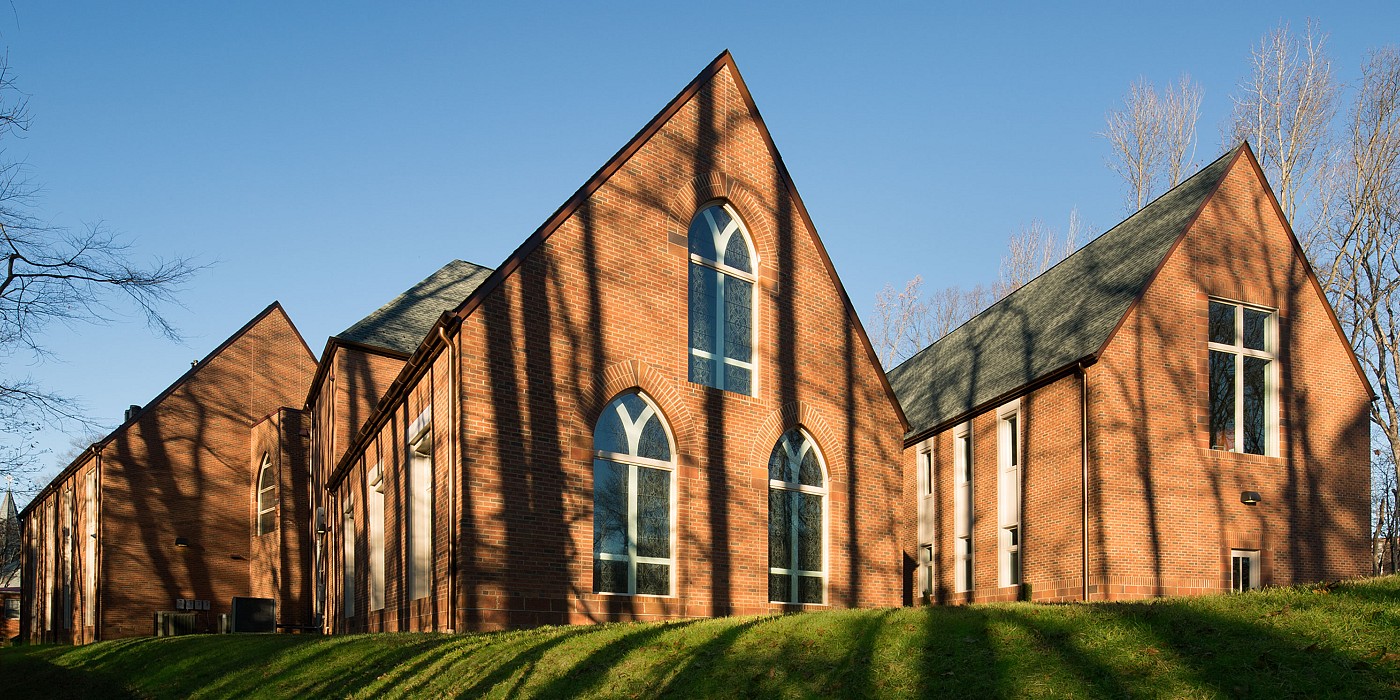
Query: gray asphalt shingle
[[401, 324], [1062, 316]]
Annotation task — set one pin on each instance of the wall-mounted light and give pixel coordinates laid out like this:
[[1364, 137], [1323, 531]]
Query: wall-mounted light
[[1249, 498], [182, 542]]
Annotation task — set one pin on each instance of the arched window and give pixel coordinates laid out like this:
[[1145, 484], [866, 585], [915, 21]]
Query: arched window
[[796, 521], [721, 301], [633, 499], [267, 497]]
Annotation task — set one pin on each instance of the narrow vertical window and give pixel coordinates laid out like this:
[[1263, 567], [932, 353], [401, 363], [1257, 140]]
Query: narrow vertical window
[[926, 473], [1009, 494], [267, 497], [66, 578], [1243, 391], [796, 520], [1244, 570], [347, 536], [962, 509], [722, 277], [420, 507], [633, 499], [926, 569], [376, 538], [90, 549]]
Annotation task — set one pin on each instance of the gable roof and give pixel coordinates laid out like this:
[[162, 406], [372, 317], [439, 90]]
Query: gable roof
[[401, 324], [1057, 320], [273, 308], [498, 276]]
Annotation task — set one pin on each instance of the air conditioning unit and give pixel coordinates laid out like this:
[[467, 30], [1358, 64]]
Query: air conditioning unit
[[171, 623], [254, 615]]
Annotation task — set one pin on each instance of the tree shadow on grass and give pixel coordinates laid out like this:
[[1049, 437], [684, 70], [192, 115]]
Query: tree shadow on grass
[[28, 673]]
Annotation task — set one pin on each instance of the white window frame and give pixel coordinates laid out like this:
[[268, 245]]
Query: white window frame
[[793, 573], [1255, 571], [1271, 376], [376, 517], [964, 519], [1010, 454], [418, 445], [266, 501], [721, 242], [633, 430], [927, 581], [90, 549], [66, 578], [347, 537], [927, 505]]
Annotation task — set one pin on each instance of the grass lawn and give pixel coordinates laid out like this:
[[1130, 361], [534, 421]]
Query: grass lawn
[[1342, 641]]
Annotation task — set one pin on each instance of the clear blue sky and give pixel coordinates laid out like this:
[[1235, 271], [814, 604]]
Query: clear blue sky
[[329, 155]]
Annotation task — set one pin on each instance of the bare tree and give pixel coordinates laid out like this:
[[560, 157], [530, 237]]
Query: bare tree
[[56, 275], [1153, 137], [1285, 109], [1355, 250], [1035, 249]]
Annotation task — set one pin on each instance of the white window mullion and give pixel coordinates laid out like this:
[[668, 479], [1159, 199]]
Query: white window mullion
[[632, 529], [793, 505], [720, 349]]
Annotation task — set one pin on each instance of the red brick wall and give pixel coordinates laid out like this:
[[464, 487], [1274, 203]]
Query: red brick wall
[[600, 308], [181, 469], [280, 566], [1170, 506]]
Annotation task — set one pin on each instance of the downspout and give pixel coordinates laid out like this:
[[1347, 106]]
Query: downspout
[[454, 436], [1083, 373]]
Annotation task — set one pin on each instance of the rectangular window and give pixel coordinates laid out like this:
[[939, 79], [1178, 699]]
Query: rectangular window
[[963, 508], [1009, 493], [420, 507], [927, 506], [90, 549], [347, 535], [12, 608], [376, 538], [926, 569], [1244, 570], [926, 473], [1243, 385], [66, 580]]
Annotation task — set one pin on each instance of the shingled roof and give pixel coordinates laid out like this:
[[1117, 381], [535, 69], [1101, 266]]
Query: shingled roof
[[1061, 317], [401, 324]]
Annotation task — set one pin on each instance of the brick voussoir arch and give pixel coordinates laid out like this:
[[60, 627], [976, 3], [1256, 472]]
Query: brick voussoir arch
[[752, 209], [635, 374], [799, 414]]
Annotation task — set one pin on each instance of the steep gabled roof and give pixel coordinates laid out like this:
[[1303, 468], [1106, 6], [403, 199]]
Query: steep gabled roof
[[1055, 321], [401, 324]]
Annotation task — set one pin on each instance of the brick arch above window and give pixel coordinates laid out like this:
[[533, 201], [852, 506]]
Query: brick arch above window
[[755, 211], [634, 374], [800, 414]]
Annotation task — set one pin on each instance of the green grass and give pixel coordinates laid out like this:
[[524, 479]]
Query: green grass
[[1277, 643]]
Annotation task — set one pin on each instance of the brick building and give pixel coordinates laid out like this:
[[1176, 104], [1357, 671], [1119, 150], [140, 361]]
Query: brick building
[[195, 497], [1171, 410], [663, 405]]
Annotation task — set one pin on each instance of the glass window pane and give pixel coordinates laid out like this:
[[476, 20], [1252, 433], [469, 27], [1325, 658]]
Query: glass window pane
[[809, 532], [1222, 323], [1014, 567], [703, 288], [780, 529], [717, 218], [1254, 326], [266, 522], [811, 472], [1012, 435], [736, 379], [609, 576], [809, 589], [654, 444], [736, 252], [1222, 401], [702, 371], [609, 435], [738, 319], [702, 237], [780, 588], [654, 579], [609, 507], [653, 512], [778, 463], [1255, 373], [265, 479]]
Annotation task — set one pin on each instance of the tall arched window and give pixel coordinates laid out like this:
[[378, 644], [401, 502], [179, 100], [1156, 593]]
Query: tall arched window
[[721, 301], [796, 521], [267, 497], [633, 499]]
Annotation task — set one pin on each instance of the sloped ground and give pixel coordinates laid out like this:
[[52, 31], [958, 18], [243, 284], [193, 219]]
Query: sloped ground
[[1340, 641]]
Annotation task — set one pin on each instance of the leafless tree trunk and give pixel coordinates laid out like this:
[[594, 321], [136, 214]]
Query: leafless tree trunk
[[1153, 137], [1285, 110], [1356, 251], [1035, 249]]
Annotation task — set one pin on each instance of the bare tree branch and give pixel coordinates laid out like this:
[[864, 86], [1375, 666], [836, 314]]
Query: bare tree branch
[[1153, 137]]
